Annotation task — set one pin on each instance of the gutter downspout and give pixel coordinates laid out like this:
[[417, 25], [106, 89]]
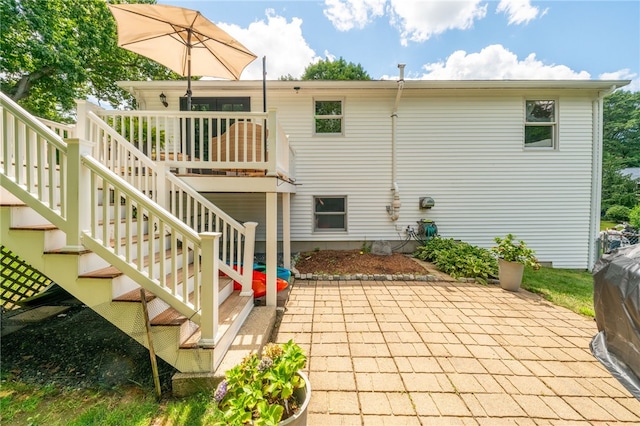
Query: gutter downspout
[[596, 184], [394, 209]]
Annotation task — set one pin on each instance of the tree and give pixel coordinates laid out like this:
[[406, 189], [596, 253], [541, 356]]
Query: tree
[[335, 70], [56, 51], [621, 149], [617, 189], [621, 131]]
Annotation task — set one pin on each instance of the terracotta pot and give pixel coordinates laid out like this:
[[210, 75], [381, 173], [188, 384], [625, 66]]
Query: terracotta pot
[[304, 395], [510, 274]]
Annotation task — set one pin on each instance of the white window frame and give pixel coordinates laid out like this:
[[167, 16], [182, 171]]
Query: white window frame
[[552, 124], [329, 117], [316, 213]]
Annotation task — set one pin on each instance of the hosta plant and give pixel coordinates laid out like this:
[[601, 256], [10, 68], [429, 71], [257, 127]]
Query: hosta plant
[[260, 390]]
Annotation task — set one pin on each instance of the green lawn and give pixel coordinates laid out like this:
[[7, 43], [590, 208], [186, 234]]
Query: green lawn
[[569, 288], [604, 225]]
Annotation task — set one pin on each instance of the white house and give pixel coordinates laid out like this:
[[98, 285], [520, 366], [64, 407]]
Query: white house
[[496, 157], [172, 202]]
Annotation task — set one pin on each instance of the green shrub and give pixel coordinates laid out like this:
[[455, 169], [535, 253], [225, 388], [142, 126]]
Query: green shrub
[[617, 213], [459, 259], [634, 217]]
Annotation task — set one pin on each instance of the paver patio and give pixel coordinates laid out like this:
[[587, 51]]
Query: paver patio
[[421, 353]]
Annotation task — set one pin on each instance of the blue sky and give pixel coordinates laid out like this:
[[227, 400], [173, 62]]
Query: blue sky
[[448, 39]]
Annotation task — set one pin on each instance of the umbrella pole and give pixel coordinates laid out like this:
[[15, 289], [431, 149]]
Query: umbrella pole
[[264, 101], [188, 141]]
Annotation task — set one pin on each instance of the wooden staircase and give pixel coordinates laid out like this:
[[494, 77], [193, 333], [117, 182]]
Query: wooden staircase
[[103, 241]]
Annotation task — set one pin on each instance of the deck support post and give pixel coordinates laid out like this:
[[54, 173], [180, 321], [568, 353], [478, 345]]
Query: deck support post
[[272, 247], [210, 294], [286, 230], [78, 193]]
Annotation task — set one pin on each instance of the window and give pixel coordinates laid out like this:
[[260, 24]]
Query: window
[[328, 116], [540, 124], [330, 213]]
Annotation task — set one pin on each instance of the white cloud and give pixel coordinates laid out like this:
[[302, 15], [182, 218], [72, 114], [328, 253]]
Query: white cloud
[[624, 74], [417, 20], [348, 14], [280, 41], [420, 20], [519, 11], [497, 62]]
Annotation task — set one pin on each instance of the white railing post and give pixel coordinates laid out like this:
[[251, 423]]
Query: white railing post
[[161, 185], [272, 138], [249, 251], [78, 193], [81, 119], [210, 298]]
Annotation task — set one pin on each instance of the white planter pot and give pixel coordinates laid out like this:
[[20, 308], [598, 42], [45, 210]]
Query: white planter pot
[[510, 274], [304, 395]]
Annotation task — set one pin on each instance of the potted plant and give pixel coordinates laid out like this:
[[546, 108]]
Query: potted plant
[[512, 258], [270, 389]]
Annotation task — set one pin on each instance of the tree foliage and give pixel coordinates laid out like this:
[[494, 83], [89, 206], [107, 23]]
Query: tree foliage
[[621, 130], [621, 148], [56, 51], [335, 70]]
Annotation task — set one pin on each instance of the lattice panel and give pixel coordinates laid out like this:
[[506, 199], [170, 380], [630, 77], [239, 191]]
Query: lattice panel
[[18, 280]]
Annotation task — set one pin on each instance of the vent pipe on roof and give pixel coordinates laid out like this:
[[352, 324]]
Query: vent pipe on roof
[[394, 209]]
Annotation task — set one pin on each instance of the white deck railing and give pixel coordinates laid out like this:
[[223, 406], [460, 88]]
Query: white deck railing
[[205, 141], [62, 182]]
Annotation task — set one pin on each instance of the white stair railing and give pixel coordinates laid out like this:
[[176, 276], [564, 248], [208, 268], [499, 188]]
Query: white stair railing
[[65, 185], [237, 241]]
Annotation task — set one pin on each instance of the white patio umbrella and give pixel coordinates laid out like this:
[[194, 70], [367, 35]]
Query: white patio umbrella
[[180, 39]]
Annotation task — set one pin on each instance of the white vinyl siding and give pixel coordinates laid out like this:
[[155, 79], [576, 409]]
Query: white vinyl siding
[[463, 151]]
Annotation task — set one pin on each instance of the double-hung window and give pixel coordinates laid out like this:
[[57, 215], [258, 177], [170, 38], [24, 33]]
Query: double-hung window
[[328, 117], [330, 213], [540, 126]]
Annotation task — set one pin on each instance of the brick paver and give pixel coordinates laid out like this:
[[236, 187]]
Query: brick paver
[[447, 353]]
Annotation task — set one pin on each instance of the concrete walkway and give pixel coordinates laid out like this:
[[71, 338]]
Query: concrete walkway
[[421, 353]]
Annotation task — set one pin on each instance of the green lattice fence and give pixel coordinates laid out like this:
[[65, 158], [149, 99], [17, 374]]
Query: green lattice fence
[[18, 280]]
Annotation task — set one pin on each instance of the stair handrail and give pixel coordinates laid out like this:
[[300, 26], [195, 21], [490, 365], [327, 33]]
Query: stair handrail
[[25, 182], [237, 245], [71, 169]]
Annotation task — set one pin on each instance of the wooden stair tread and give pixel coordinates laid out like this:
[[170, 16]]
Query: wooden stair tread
[[44, 227], [227, 314], [169, 317], [113, 272], [134, 296]]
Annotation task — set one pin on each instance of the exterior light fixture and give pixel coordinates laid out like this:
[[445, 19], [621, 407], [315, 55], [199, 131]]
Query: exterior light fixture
[[296, 88], [163, 99]]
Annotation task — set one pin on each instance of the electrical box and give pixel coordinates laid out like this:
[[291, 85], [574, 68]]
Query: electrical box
[[426, 202]]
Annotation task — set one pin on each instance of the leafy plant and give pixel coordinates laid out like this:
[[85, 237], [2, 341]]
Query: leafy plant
[[634, 217], [459, 259], [618, 213], [260, 390], [512, 251]]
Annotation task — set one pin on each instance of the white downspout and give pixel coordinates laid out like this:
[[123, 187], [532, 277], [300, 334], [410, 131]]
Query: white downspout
[[596, 185], [394, 209]]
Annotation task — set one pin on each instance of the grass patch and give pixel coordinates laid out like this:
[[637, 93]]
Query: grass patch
[[604, 225], [572, 289], [23, 404]]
